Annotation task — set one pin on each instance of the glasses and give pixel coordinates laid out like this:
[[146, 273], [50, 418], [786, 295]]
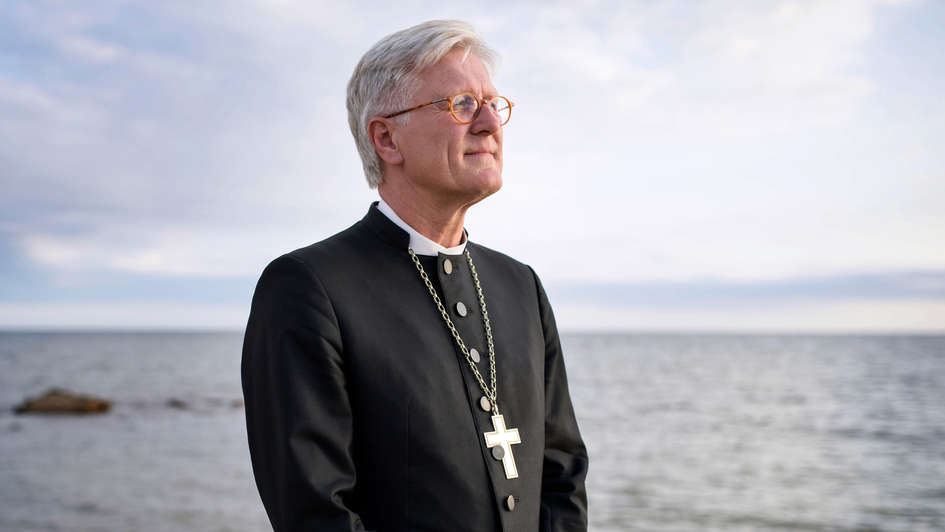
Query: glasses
[[465, 107]]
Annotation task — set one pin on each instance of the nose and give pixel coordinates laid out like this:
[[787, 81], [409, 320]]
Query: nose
[[486, 122]]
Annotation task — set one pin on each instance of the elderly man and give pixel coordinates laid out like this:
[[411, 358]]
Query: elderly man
[[397, 375]]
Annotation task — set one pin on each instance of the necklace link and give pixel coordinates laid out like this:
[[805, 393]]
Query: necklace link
[[490, 392]]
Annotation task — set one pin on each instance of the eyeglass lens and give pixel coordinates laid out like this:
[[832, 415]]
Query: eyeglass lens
[[465, 105]]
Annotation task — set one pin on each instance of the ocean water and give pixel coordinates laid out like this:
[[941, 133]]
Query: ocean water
[[685, 432]]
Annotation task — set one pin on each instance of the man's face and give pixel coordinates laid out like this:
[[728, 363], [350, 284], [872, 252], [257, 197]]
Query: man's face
[[453, 161]]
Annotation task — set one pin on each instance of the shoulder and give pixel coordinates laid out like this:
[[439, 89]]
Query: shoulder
[[503, 267], [342, 253], [341, 268], [513, 273], [486, 253], [337, 248], [307, 267]]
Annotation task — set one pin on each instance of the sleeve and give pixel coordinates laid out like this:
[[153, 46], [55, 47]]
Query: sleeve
[[563, 495], [298, 413]]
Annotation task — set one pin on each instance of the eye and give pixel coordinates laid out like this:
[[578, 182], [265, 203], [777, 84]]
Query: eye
[[501, 107], [464, 102], [498, 104]]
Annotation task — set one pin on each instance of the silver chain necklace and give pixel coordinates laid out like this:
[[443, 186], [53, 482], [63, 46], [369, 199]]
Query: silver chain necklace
[[500, 440]]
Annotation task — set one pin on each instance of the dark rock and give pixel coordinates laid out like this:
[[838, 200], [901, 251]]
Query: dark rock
[[179, 404], [57, 401]]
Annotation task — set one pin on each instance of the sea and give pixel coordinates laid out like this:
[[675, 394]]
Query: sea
[[686, 432]]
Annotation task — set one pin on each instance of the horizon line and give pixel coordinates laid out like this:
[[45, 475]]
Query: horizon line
[[654, 331]]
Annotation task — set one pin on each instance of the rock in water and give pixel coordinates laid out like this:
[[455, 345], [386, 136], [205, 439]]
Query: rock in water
[[57, 401], [179, 404]]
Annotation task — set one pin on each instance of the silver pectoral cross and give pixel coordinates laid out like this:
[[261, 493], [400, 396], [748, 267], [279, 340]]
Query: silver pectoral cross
[[504, 438]]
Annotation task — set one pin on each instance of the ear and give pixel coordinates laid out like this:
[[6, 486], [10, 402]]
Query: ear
[[381, 132]]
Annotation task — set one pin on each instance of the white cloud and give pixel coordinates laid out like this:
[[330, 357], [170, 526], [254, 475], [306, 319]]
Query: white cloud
[[721, 140], [90, 50], [51, 251], [169, 249], [20, 95]]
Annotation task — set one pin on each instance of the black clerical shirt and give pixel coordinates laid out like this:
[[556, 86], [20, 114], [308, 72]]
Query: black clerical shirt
[[363, 414]]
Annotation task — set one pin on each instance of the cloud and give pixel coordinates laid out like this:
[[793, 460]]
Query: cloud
[[171, 250], [652, 142], [91, 50]]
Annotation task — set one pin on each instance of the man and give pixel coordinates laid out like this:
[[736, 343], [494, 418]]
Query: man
[[398, 376]]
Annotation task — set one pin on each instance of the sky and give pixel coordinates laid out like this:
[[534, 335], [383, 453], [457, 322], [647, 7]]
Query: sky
[[771, 166]]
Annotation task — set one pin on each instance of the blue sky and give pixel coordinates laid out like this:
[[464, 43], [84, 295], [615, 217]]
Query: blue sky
[[717, 165]]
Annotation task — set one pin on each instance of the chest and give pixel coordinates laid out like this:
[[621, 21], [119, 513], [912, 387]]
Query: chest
[[418, 406]]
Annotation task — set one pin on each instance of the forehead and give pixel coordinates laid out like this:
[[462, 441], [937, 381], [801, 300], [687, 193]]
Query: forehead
[[457, 71]]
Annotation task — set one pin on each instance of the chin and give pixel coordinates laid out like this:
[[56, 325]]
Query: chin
[[482, 188], [489, 187], [490, 180], [496, 185]]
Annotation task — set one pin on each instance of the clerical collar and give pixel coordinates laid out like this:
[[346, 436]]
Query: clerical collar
[[420, 244]]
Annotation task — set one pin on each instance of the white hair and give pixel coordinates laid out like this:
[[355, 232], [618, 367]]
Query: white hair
[[385, 77]]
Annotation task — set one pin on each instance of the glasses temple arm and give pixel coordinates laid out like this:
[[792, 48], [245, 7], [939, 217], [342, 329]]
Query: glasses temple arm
[[414, 108]]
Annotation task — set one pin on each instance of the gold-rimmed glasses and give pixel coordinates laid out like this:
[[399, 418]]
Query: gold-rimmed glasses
[[465, 107]]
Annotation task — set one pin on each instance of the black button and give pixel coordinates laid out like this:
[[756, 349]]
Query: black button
[[498, 452], [474, 355], [510, 503], [461, 309]]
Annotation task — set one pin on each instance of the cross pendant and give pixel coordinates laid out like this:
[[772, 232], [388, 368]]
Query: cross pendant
[[504, 438]]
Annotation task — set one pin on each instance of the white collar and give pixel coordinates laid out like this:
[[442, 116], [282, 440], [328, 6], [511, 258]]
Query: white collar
[[420, 244]]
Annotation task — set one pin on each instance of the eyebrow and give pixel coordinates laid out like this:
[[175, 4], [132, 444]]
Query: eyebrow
[[475, 92]]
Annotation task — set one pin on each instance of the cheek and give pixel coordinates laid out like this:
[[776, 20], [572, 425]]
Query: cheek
[[454, 151], [434, 152]]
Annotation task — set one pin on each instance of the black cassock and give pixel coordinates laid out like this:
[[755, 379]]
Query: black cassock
[[363, 414]]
